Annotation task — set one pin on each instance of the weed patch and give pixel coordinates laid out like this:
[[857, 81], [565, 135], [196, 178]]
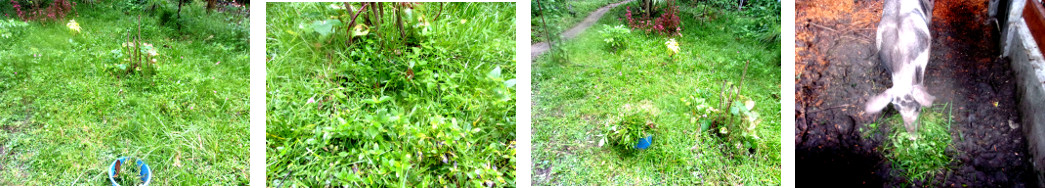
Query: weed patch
[[924, 154], [391, 94]]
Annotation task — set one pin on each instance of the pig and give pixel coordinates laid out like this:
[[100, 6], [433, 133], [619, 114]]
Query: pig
[[903, 43]]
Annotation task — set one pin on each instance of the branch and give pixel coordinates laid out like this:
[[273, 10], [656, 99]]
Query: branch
[[353, 22]]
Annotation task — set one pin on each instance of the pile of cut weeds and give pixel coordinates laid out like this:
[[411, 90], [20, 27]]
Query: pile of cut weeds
[[837, 73]]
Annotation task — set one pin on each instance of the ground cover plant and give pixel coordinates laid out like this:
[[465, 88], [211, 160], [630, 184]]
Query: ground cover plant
[[79, 91], [709, 93], [391, 94]]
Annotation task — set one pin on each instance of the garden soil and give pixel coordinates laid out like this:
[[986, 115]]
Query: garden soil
[[541, 47], [837, 71]]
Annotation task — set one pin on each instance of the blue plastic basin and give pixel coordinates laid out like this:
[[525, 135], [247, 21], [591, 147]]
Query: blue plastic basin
[[644, 142]]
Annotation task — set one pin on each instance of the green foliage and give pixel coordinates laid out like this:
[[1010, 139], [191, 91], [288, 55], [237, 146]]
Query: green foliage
[[227, 28], [765, 27], [698, 112], [135, 5], [11, 27], [923, 155], [744, 122], [324, 27], [384, 112], [616, 37]]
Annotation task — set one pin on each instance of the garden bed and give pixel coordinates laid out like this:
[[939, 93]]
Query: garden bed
[[837, 71]]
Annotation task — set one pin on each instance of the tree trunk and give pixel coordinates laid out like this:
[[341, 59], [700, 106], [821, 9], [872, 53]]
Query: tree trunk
[[211, 4], [399, 21], [180, 2]]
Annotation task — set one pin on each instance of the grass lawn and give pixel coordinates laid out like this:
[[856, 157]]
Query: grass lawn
[[65, 114], [576, 99], [431, 105]]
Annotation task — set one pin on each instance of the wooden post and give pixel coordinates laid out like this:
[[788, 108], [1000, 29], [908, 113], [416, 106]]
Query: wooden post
[[1034, 15]]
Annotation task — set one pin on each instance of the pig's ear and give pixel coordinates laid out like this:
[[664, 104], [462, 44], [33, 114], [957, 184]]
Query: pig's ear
[[878, 102], [922, 95]]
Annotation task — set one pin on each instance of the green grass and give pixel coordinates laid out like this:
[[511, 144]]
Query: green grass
[[64, 118], [925, 156], [574, 99], [369, 123]]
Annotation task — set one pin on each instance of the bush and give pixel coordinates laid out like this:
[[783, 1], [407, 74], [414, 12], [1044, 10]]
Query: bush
[[45, 10], [667, 24], [615, 37], [745, 122], [9, 28]]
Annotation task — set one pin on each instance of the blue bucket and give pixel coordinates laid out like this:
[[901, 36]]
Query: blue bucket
[[644, 142], [143, 171]]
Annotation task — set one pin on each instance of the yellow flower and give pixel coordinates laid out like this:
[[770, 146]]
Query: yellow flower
[[73, 25], [673, 47], [463, 21]]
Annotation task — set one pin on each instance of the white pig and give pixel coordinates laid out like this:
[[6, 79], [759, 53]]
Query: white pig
[[903, 42]]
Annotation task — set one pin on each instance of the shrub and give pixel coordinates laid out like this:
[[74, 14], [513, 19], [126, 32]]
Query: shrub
[[54, 10], [134, 56], [615, 37], [9, 28], [667, 24], [673, 47], [698, 111], [745, 121]]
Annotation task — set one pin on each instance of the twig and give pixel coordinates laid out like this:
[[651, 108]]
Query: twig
[[860, 38], [547, 34], [822, 27], [436, 18], [77, 179], [353, 22], [828, 108]]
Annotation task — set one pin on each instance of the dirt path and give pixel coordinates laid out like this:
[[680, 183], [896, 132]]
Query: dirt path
[[837, 74], [541, 47]]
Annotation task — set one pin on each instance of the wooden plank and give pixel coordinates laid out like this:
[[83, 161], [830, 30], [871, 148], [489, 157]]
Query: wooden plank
[[1034, 14]]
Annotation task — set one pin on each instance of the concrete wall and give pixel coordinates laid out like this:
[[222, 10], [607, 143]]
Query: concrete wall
[[1029, 66]]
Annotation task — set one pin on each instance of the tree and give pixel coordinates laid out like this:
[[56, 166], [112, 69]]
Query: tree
[[211, 4]]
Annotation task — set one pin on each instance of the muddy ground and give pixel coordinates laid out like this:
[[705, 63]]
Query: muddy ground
[[837, 73]]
